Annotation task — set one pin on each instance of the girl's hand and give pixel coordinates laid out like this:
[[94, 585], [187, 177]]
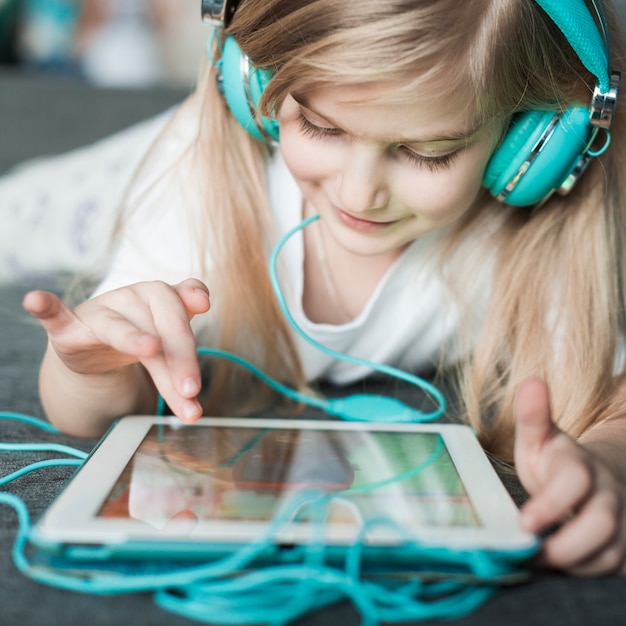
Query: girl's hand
[[570, 488], [145, 323]]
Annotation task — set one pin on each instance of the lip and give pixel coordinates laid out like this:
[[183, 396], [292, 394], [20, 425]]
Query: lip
[[357, 223]]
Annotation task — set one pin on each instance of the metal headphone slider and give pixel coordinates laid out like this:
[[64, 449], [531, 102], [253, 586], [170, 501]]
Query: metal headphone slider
[[572, 178], [218, 12], [603, 104]]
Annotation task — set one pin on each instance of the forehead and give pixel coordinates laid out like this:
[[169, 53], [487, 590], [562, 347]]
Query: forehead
[[387, 112]]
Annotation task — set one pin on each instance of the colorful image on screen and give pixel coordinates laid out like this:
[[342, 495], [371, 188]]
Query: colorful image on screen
[[227, 473]]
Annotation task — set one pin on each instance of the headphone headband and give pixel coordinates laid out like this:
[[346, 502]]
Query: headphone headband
[[591, 45], [577, 24], [218, 12]]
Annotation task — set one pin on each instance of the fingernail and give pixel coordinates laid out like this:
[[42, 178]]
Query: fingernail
[[190, 387], [201, 292], [191, 410]]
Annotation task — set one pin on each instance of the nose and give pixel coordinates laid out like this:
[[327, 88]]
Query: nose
[[362, 183]]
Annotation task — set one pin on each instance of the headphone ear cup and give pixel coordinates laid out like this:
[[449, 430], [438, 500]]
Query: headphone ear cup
[[242, 86], [522, 134], [550, 168]]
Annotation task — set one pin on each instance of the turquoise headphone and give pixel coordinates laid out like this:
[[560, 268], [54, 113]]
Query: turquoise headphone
[[542, 151]]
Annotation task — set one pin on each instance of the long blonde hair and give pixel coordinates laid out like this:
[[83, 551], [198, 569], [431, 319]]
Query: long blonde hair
[[557, 304]]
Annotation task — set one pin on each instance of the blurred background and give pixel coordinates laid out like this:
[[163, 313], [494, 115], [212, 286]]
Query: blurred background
[[110, 43]]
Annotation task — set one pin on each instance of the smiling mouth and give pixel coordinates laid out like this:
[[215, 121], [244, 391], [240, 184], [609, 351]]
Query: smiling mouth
[[361, 224]]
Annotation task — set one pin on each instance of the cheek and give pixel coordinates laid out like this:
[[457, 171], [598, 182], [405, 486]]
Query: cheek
[[448, 193]]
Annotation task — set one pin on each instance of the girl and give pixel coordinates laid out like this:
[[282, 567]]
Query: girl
[[389, 117]]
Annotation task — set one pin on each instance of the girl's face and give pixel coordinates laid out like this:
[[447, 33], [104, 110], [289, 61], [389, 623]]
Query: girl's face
[[381, 173]]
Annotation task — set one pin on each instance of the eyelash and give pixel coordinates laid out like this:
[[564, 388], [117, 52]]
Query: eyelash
[[433, 164], [317, 132]]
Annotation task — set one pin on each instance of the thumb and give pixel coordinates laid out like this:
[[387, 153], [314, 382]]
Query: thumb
[[49, 310], [533, 424]]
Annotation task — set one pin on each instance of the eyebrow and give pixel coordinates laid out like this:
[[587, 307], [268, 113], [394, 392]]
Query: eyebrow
[[461, 135]]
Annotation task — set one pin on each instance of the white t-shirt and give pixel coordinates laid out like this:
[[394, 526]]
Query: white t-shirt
[[407, 320]]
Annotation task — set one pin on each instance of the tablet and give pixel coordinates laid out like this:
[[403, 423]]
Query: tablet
[[156, 487]]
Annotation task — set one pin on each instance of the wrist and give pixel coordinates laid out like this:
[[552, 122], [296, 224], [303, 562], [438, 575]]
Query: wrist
[[89, 403]]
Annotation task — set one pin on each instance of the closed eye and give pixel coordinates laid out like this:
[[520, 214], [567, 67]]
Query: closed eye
[[312, 130], [432, 163]]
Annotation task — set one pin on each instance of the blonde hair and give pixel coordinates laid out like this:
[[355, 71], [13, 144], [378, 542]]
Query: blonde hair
[[558, 273]]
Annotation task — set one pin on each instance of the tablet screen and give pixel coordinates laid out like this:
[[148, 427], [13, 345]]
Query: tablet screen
[[249, 474]]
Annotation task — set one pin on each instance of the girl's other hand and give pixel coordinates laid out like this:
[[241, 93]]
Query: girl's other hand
[[570, 488], [147, 323]]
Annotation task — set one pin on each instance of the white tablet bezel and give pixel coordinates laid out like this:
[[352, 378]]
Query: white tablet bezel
[[71, 518]]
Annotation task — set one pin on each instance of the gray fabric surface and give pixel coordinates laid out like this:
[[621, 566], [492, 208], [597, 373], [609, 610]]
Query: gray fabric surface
[[40, 116], [43, 117]]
